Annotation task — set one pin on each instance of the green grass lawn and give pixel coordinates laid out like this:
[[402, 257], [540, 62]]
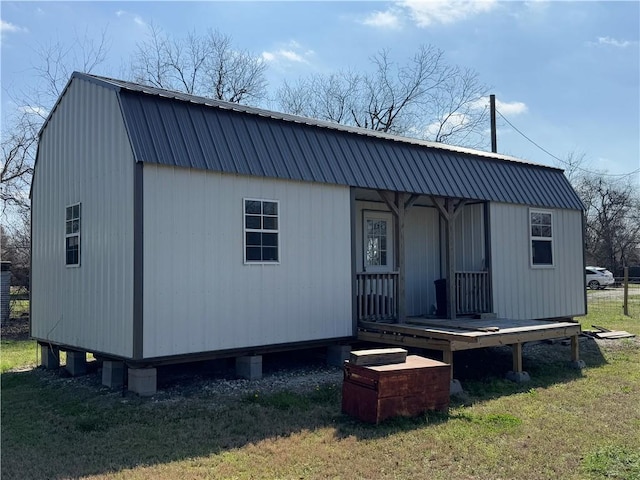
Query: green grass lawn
[[564, 424], [17, 354], [19, 307]]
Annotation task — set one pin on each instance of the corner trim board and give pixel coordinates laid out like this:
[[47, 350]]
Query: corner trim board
[[138, 261], [353, 221]]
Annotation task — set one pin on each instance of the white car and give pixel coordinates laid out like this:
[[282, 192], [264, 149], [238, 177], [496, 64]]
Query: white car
[[598, 277]]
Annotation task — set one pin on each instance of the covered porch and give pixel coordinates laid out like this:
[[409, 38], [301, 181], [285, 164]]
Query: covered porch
[[419, 255], [423, 279]]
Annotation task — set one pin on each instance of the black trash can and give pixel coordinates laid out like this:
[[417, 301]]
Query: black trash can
[[441, 297]]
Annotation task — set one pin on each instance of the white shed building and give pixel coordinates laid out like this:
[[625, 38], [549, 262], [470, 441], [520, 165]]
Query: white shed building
[[167, 226]]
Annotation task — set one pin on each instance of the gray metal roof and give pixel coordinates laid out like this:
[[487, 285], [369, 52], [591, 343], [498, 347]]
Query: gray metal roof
[[173, 128]]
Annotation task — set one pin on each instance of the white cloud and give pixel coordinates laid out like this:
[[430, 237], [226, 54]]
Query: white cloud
[[506, 108], [137, 19], [388, 19], [426, 13], [34, 110], [8, 27], [453, 121], [613, 42], [291, 56], [282, 54], [511, 108], [291, 52], [537, 5]]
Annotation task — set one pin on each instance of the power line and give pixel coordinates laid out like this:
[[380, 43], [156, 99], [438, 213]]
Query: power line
[[564, 161]]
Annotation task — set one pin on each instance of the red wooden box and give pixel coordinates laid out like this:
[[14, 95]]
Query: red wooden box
[[375, 393]]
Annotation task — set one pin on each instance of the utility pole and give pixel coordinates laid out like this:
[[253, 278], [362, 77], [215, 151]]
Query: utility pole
[[494, 137]]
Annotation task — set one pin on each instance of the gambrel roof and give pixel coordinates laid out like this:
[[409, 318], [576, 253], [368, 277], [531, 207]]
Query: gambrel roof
[[177, 129]]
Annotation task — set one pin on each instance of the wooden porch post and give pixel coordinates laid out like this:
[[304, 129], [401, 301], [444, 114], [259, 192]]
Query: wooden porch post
[[451, 266], [575, 349], [402, 307], [447, 357], [398, 205], [516, 350], [449, 211]]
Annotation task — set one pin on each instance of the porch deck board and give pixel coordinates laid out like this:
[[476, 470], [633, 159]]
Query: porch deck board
[[465, 333], [479, 327]]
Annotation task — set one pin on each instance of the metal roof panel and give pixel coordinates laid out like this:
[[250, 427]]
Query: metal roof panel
[[186, 131]]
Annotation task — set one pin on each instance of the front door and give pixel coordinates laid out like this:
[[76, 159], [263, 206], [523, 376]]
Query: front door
[[378, 241]]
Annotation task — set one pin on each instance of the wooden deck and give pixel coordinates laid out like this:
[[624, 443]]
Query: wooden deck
[[449, 336]]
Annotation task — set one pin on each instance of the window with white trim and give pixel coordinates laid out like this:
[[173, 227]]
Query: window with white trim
[[261, 231], [72, 235], [378, 241], [541, 232]]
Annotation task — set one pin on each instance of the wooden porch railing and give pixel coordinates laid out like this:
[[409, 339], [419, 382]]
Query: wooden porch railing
[[377, 296], [472, 292]]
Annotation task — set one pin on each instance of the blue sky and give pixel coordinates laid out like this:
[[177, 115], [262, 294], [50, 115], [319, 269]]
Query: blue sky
[[566, 74]]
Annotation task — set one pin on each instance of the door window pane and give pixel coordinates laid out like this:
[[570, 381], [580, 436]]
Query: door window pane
[[376, 242]]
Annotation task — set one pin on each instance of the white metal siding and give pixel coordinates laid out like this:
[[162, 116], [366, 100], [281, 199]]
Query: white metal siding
[[84, 156], [523, 292], [422, 261], [469, 238], [198, 293]]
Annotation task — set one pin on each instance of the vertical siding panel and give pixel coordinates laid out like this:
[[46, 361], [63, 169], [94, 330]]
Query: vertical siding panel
[[306, 297], [523, 292], [422, 261], [469, 232], [84, 156]]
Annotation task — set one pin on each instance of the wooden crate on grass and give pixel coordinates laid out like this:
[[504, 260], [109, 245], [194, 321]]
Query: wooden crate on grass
[[376, 393]]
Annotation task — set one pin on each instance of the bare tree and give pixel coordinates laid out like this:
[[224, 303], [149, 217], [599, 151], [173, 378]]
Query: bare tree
[[612, 210], [459, 110], [200, 65], [15, 248], [18, 146], [331, 98], [574, 165], [54, 63], [424, 98], [51, 71]]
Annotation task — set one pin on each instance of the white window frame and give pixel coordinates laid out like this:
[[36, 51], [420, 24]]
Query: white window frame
[[72, 234], [538, 238], [387, 217], [246, 230]]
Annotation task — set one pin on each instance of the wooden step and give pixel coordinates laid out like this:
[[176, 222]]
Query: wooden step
[[378, 356]]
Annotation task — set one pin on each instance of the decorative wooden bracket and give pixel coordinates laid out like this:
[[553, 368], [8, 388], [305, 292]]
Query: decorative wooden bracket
[[447, 208]]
